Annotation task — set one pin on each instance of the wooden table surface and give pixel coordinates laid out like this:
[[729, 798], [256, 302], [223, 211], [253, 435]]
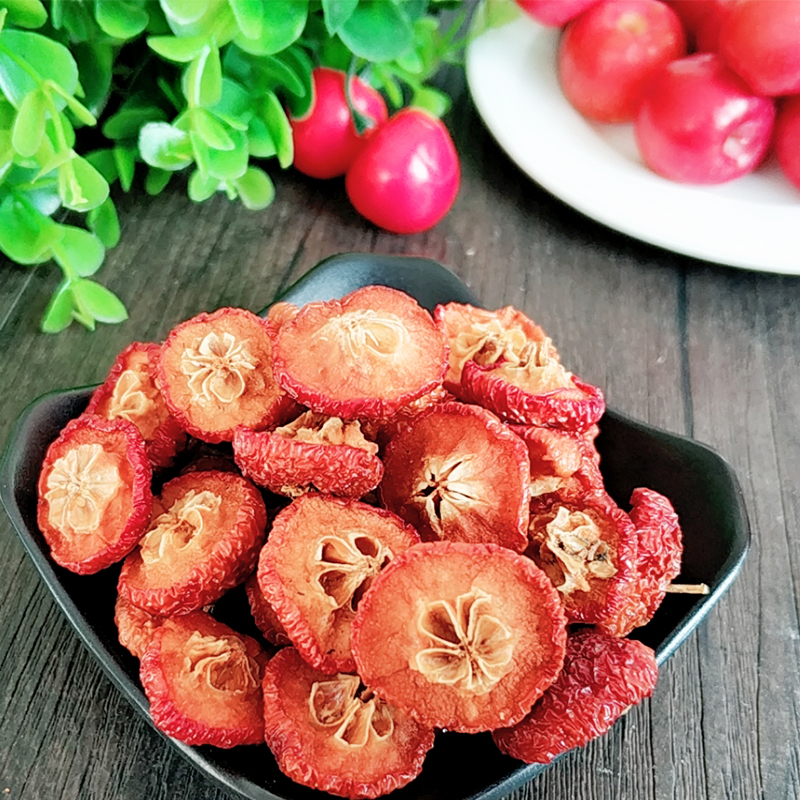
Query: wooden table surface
[[696, 348]]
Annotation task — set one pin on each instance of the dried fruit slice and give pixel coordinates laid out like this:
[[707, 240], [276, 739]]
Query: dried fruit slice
[[314, 451], [130, 392], [135, 626], [329, 733], [602, 677], [462, 636], [203, 682], [94, 493], [458, 473], [475, 334], [264, 615], [364, 356], [321, 556], [215, 371], [204, 541], [281, 312], [658, 562], [535, 390], [588, 550]]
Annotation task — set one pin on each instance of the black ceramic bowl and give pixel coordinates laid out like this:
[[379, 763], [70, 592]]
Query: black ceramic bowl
[[701, 485]]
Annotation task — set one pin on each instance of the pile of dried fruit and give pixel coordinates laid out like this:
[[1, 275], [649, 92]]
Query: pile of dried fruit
[[439, 539]]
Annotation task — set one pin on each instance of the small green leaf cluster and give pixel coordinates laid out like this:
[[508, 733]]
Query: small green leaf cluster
[[98, 92]]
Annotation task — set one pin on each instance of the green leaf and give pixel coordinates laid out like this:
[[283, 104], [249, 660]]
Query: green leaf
[[248, 17], [104, 223], [26, 235], [28, 128], [185, 12], [175, 48], [279, 129], [95, 61], [336, 13], [233, 107], [211, 130], [23, 52], [132, 116], [431, 100], [78, 109], [283, 22], [204, 78], [156, 180], [58, 314], [212, 19], [301, 65], [378, 31], [79, 252], [80, 185], [103, 161], [102, 304], [125, 162], [122, 19], [43, 195], [200, 151], [202, 186], [7, 115], [255, 189], [25, 13], [387, 81], [493, 15], [229, 164], [164, 146], [259, 141]]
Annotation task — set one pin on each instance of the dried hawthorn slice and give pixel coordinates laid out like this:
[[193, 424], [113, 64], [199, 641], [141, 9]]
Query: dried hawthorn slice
[[462, 636], [382, 430], [215, 371], [135, 626], [203, 682], [263, 614], [94, 493], [536, 390], [476, 334], [322, 554], [204, 541], [130, 392], [602, 677], [588, 549], [458, 473], [314, 451], [364, 356], [330, 733], [658, 563], [281, 312]]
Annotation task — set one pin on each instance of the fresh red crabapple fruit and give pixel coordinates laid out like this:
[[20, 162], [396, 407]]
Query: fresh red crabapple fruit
[[554, 13], [701, 20], [786, 138]]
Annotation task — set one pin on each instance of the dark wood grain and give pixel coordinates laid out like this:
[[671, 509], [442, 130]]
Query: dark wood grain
[[691, 347]]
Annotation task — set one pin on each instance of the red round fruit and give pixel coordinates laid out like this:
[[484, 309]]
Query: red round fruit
[[406, 177], [608, 53], [700, 123], [554, 12], [786, 139], [760, 40], [325, 139], [701, 20]]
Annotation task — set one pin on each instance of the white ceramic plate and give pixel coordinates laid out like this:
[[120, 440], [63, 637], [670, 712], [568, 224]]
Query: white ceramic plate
[[752, 222]]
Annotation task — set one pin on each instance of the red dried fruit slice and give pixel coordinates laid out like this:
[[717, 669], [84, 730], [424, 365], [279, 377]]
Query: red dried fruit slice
[[462, 636], [658, 563], [281, 312], [329, 733], [135, 626], [475, 334], [264, 615], [602, 677], [538, 391], [204, 541], [322, 554], [215, 372], [130, 392], [381, 431], [458, 473], [364, 356], [314, 451], [203, 682], [588, 549], [94, 493]]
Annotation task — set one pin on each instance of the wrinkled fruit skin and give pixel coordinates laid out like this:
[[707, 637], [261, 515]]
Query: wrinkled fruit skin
[[699, 123], [602, 677], [407, 176], [786, 139], [325, 139]]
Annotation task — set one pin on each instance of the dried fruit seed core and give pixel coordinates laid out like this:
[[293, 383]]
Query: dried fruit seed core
[[80, 487], [471, 649], [178, 527], [133, 400], [221, 663], [574, 538], [314, 428], [216, 367], [366, 334], [446, 490], [358, 719], [346, 565]]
